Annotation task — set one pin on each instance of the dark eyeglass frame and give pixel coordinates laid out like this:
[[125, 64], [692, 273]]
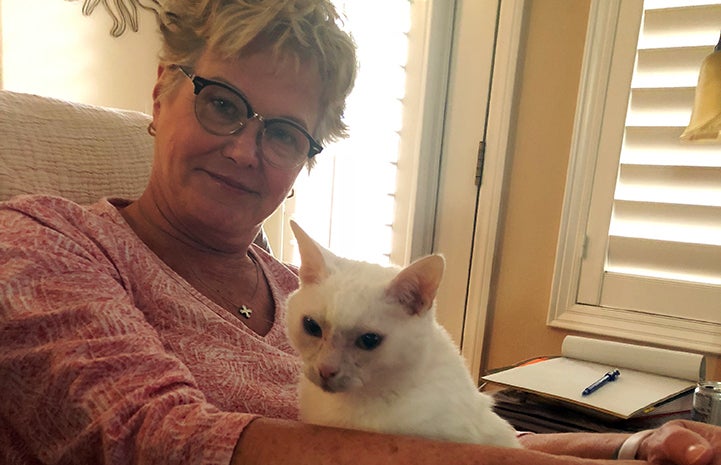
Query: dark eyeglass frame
[[200, 82]]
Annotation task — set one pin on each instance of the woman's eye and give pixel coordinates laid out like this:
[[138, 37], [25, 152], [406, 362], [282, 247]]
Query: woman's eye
[[218, 105], [226, 110], [369, 341], [312, 327], [279, 133]]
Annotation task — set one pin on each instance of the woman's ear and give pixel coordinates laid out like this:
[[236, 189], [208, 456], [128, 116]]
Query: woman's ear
[[158, 87]]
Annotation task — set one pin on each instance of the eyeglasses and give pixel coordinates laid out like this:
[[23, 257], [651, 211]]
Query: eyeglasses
[[223, 111]]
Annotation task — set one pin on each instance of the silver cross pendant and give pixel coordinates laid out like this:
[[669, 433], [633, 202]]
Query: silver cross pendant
[[245, 311]]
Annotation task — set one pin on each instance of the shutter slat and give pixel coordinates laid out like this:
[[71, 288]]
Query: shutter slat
[[662, 146], [660, 107], [672, 184], [677, 299], [694, 25], [665, 221], [669, 67], [665, 259]]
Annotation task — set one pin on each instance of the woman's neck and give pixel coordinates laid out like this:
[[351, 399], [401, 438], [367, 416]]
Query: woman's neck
[[228, 276], [180, 250]]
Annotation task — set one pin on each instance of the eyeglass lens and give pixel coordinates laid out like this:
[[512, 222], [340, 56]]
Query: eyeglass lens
[[223, 112]]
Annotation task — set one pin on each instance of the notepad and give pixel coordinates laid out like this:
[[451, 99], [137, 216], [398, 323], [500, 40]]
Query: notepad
[[649, 376]]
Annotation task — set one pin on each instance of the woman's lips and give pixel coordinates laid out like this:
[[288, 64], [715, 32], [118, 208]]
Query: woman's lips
[[235, 184]]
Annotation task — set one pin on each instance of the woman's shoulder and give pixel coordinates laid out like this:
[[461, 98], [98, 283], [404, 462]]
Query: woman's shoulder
[[33, 216], [48, 207], [29, 203]]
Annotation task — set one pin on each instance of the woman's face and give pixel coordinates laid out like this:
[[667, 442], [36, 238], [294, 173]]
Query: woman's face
[[218, 189]]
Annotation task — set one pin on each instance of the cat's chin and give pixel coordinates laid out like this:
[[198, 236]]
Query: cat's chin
[[331, 386], [326, 387]]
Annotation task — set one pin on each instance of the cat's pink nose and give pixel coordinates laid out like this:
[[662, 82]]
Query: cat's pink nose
[[327, 372]]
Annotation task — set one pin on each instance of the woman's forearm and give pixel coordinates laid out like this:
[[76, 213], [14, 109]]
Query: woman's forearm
[[589, 445], [270, 441]]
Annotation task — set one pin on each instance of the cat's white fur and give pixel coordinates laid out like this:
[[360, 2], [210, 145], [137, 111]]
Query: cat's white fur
[[414, 382]]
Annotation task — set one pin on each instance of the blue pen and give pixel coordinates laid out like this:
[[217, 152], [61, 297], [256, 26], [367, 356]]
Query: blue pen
[[610, 376]]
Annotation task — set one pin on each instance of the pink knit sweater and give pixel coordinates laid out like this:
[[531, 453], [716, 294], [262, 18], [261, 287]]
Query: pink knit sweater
[[108, 356]]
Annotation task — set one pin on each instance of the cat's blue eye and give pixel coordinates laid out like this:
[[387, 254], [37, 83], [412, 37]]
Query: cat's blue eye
[[369, 341], [312, 327]]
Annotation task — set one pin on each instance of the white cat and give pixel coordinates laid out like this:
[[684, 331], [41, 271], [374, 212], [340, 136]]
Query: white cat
[[374, 357]]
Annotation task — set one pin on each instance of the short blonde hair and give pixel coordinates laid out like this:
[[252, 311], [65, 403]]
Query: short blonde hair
[[305, 29]]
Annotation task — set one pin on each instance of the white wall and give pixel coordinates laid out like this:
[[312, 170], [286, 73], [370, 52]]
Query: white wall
[[43, 44]]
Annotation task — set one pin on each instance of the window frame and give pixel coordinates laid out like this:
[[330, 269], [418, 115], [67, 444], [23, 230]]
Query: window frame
[[593, 164]]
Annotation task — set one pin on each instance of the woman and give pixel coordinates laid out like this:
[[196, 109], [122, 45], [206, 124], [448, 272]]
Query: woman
[[149, 331]]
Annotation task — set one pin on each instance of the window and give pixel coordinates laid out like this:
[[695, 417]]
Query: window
[[347, 202], [359, 199], [639, 253]]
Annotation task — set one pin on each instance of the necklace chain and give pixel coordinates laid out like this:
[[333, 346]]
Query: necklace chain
[[243, 310]]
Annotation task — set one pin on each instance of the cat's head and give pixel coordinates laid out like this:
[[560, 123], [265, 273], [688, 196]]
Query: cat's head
[[357, 325]]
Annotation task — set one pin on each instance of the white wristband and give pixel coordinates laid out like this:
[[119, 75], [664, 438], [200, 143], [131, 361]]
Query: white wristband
[[629, 448]]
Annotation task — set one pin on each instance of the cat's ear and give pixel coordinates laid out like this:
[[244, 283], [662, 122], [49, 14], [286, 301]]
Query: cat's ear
[[313, 269], [416, 285]]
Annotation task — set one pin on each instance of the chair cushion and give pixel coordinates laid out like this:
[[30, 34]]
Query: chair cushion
[[80, 152]]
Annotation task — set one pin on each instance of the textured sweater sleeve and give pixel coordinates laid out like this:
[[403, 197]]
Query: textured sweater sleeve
[[83, 377]]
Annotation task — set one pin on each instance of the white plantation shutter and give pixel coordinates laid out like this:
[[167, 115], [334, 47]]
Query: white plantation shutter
[[648, 256], [359, 199], [664, 240], [347, 202]]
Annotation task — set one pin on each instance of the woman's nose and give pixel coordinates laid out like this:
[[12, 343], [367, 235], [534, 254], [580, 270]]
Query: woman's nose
[[243, 147]]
